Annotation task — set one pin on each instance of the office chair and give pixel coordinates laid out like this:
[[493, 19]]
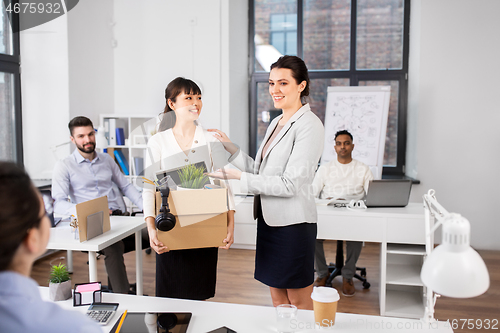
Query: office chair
[[335, 269]]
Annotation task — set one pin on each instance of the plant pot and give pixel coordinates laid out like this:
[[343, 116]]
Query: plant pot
[[180, 188], [60, 291]]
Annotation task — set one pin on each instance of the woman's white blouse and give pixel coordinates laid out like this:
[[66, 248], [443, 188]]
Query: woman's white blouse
[[164, 153]]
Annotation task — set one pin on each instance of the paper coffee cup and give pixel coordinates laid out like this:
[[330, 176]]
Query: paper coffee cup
[[325, 302]]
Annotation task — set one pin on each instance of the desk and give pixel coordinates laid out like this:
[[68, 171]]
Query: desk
[[249, 318], [62, 238], [400, 232]]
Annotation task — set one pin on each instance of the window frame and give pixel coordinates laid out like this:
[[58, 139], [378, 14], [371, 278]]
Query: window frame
[[354, 75], [12, 64]]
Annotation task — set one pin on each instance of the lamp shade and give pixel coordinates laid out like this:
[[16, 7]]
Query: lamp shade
[[454, 269]]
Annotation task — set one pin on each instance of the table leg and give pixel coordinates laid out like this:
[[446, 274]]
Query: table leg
[[69, 260], [138, 261], [92, 267]]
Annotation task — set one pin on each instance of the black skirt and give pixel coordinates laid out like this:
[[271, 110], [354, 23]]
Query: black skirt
[[284, 257], [187, 274]]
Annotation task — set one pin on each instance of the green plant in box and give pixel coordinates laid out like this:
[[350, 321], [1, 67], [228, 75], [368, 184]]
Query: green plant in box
[[59, 274], [192, 177]]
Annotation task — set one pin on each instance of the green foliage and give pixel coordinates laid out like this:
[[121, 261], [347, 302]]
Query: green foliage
[[59, 274], [192, 177]]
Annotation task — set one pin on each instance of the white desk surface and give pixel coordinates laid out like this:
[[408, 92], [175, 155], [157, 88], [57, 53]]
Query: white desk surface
[[413, 209], [381, 225], [248, 318], [62, 237]]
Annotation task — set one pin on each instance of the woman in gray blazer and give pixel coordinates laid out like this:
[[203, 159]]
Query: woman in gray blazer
[[281, 178]]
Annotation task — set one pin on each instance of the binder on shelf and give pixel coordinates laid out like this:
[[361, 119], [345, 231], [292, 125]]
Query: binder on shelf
[[112, 131], [122, 162], [106, 130], [120, 136], [139, 166]]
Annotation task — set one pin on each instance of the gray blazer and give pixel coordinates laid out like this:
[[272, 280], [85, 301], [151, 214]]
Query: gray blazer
[[283, 178]]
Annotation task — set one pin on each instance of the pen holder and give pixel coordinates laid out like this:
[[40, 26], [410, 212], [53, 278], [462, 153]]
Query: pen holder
[[87, 293]]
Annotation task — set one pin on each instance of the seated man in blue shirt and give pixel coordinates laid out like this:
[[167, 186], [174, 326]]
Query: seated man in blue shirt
[[85, 175], [24, 234]]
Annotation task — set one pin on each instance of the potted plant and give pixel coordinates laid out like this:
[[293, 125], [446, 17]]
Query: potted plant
[[192, 177], [59, 283]]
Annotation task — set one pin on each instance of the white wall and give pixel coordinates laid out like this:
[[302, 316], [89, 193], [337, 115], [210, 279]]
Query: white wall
[[90, 54], [454, 115], [238, 112], [45, 95], [168, 39], [119, 59], [206, 41]]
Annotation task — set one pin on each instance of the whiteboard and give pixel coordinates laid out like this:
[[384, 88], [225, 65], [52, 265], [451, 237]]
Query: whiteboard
[[363, 111]]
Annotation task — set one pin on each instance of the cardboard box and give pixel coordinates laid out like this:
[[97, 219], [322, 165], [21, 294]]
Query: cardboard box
[[201, 219]]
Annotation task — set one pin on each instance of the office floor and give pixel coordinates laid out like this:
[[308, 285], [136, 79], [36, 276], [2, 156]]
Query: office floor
[[235, 284]]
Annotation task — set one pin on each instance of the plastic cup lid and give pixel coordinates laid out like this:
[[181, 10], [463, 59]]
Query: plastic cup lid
[[325, 294]]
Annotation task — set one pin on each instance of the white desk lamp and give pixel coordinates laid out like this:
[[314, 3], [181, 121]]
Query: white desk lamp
[[454, 268]]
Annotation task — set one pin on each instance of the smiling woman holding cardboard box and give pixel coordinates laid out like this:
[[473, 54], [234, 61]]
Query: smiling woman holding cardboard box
[[281, 178], [190, 273]]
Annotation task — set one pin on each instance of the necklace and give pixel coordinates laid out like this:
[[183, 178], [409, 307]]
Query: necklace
[[184, 142]]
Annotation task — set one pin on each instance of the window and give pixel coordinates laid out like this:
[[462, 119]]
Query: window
[[344, 43], [284, 33], [10, 95]]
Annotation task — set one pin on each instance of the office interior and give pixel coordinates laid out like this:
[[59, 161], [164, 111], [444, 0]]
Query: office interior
[[107, 57]]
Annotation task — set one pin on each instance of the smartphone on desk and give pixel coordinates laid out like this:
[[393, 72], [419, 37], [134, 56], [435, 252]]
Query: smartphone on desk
[[223, 329]]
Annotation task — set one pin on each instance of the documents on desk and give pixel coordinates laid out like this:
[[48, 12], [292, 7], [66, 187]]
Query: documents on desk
[[93, 218]]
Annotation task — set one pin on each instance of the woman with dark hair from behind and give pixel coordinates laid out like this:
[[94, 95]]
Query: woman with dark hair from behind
[[24, 234]]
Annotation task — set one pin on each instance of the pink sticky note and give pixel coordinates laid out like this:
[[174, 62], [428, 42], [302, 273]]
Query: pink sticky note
[[88, 287]]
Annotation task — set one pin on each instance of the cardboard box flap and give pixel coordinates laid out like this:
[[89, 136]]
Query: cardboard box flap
[[199, 202]]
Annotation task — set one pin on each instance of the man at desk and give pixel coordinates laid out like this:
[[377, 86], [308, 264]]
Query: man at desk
[[85, 175], [348, 179]]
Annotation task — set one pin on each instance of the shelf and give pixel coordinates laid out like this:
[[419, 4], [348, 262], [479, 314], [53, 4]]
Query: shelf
[[128, 146], [404, 303], [134, 126], [405, 275], [408, 249]]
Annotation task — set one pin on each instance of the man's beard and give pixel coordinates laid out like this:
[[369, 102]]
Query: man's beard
[[90, 148]]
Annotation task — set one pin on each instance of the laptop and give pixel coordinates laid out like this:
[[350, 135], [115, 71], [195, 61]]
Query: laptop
[[388, 193]]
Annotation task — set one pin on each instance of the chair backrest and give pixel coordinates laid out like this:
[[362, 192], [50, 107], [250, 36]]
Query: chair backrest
[[119, 195]]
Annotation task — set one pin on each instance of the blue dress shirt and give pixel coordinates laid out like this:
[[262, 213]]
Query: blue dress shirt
[[83, 180], [23, 310]]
